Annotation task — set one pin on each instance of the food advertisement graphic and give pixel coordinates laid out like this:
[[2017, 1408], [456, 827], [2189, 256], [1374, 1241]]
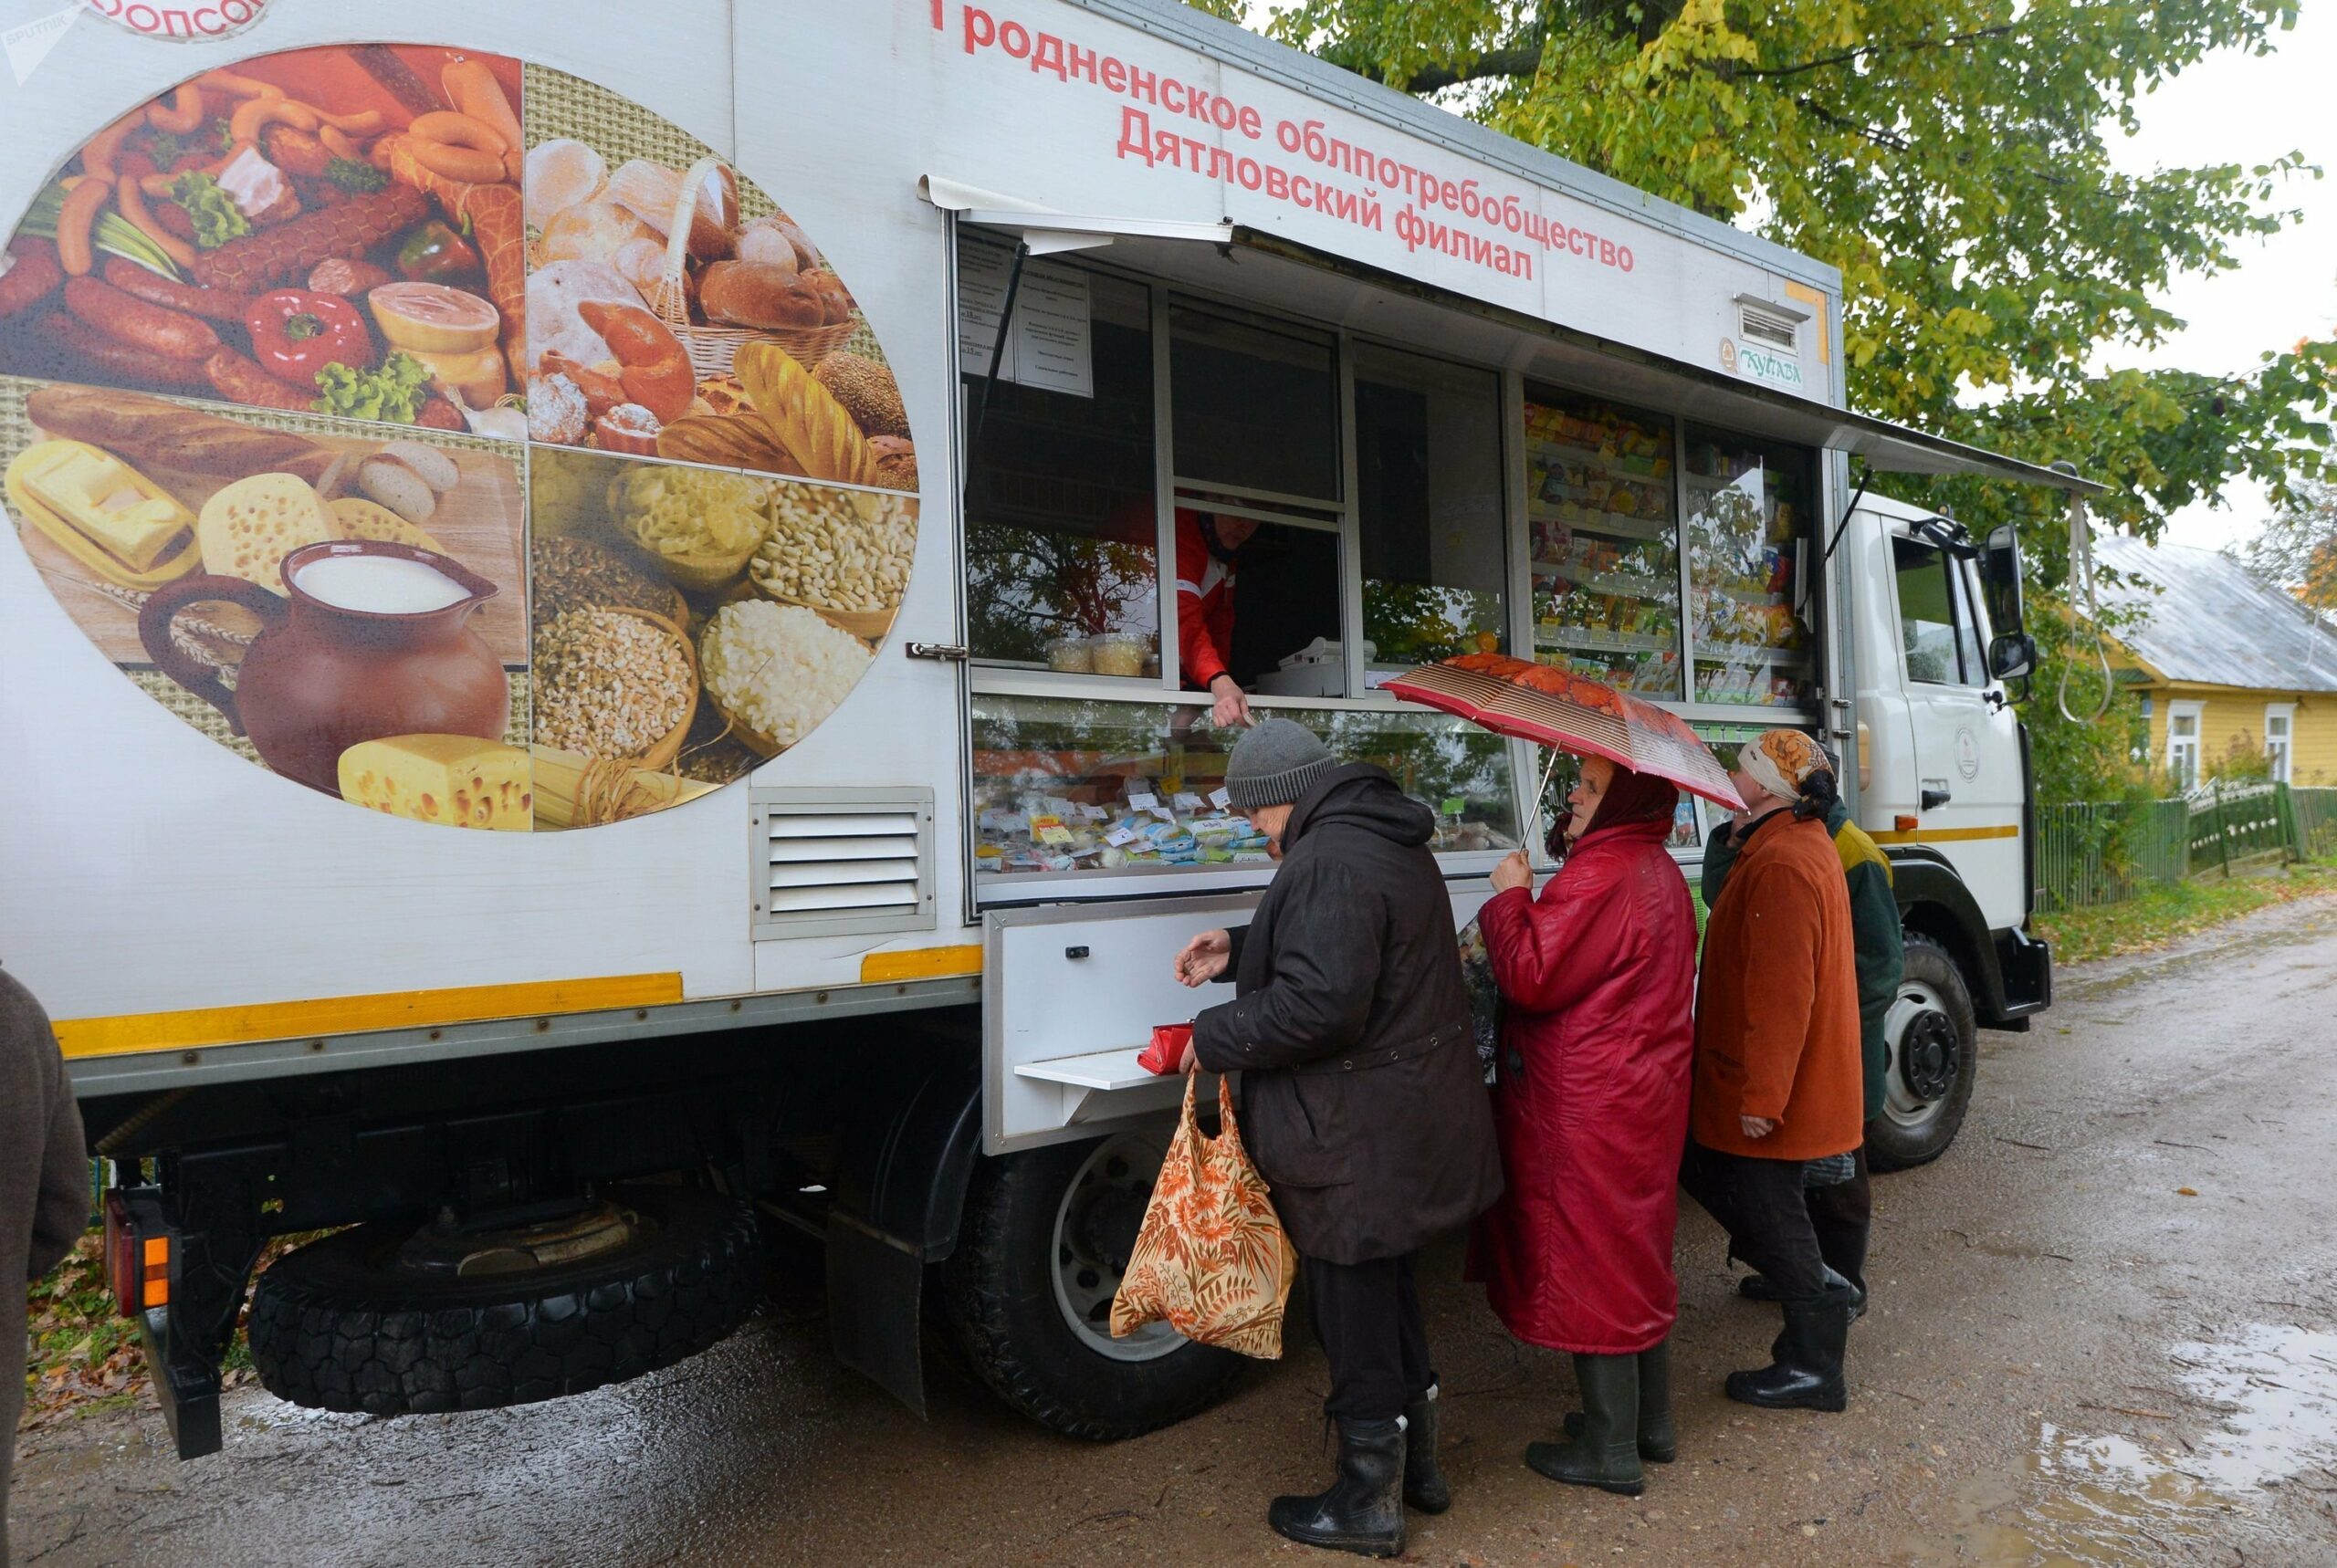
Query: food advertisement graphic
[[451, 436]]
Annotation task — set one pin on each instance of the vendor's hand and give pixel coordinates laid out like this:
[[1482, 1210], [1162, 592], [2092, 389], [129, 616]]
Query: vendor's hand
[[1232, 703], [1515, 871], [1756, 1126], [1191, 1063], [1204, 957]]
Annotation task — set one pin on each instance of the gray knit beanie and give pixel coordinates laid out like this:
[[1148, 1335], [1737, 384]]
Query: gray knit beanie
[[1274, 763]]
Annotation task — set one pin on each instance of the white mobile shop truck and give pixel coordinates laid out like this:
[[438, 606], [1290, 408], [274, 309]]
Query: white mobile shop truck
[[881, 973]]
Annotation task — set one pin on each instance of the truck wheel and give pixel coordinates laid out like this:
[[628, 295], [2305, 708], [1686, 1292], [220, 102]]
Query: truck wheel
[[1932, 1043], [1027, 1295], [389, 1319]]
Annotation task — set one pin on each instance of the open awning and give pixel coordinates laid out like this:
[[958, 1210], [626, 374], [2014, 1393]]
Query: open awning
[[1272, 272], [1046, 233]]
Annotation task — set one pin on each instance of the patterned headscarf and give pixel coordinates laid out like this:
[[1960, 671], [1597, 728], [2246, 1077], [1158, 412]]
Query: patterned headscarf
[[1781, 762]]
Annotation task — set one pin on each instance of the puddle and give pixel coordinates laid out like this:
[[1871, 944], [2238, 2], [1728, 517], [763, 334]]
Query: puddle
[[2104, 1498]]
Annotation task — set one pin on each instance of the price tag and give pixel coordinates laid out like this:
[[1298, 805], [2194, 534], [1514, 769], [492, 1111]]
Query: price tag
[[1094, 813], [1119, 838], [1219, 799], [1054, 835], [1145, 803], [1187, 801]]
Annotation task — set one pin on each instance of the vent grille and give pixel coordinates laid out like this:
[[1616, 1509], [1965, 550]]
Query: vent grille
[[1770, 326], [828, 861]]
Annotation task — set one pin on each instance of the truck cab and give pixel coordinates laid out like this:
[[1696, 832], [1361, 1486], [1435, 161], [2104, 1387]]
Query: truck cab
[[1946, 788]]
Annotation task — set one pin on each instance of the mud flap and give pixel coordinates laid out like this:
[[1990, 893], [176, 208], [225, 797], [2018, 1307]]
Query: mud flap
[[898, 1200], [875, 1288]]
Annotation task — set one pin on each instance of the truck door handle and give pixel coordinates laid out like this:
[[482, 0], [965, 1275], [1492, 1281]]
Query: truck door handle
[[1934, 799]]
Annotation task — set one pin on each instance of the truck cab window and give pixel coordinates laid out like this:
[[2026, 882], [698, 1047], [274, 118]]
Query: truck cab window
[[1429, 507], [1929, 630], [1062, 534]]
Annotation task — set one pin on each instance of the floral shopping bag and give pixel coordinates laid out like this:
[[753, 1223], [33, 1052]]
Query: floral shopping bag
[[1211, 1260]]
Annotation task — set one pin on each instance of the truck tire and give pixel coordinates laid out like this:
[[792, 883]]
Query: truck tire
[[1025, 1295], [338, 1325], [1932, 1040]]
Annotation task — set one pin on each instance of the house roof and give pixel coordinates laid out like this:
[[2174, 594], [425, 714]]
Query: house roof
[[2210, 623]]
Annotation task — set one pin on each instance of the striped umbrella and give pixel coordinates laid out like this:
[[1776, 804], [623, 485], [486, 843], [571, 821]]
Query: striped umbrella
[[1534, 702]]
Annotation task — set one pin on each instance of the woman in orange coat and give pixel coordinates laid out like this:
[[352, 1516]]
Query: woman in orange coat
[[1597, 976], [1778, 1081]]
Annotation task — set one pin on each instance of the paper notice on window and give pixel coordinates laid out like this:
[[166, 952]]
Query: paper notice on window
[[982, 271], [1051, 344], [1052, 338]]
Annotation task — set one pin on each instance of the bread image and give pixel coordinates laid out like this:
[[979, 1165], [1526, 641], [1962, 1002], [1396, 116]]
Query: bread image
[[591, 231], [758, 294], [398, 487], [560, 173], [247, 528], [803, 417], [867, 391], [430, 465]]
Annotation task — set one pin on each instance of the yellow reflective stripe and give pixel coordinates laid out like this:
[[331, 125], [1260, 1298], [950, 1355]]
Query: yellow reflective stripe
[[1946, 835], [1809, 296], [129, 1032], [920, 964]]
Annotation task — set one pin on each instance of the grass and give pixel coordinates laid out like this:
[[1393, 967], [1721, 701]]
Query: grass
[[2169, 915]]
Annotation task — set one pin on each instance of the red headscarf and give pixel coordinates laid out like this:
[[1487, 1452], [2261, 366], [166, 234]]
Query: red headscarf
[[1629, 797]]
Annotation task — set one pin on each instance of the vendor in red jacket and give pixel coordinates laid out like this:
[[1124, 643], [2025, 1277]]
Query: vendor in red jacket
[[1207, 550], [1598, 979]]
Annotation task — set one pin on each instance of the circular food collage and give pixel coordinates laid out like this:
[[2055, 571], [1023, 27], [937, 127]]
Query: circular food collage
[[450, 435]]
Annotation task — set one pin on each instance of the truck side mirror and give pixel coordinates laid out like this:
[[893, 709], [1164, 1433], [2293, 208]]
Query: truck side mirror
[[2012, 655], [2000, 581]]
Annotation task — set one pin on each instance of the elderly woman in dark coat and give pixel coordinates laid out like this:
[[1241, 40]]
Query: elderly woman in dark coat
[[1361, 1100]]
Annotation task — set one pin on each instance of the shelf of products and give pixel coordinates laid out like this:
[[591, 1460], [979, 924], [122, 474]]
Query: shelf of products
[[1071, 787], [1605, 541], [1747, 513]]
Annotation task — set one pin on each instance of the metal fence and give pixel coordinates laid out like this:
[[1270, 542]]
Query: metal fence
[[2091, 853], [2234, 823]]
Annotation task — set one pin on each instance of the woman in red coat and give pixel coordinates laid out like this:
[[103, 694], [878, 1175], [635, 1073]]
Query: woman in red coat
[[1597, 979]]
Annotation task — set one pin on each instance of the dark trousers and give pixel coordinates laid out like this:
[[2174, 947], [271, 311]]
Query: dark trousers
[[1368, 1316], [1761, 1205], [1840, 1216]]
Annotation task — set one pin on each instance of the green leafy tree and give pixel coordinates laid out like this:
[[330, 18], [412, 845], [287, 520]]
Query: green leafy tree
[[1953, 158]]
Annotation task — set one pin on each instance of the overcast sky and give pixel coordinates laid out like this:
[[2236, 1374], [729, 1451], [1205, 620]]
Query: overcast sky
[[2239, 108]]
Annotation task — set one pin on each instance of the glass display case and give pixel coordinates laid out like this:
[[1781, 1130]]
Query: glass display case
[[1067, 786], [1748, 511], [1604, 535]]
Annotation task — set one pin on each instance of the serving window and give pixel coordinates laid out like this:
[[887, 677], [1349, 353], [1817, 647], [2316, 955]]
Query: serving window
[[1077, 786], [1196, 510]]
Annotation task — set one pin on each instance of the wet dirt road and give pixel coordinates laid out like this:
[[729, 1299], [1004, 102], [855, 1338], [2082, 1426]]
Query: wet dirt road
[[2070, 1360]]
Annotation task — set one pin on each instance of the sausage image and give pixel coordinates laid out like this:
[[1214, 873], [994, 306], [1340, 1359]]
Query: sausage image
[[34, 276], [84, 352], [239, 379], [155, 328], [213, 304], [350, 228]]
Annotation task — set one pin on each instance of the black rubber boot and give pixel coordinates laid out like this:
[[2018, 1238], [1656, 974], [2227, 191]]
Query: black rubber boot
[[1424, 1487], [1658, 1445], [1807, 1374], [1756, 1287], [1605, 1454], [1363, 1511]]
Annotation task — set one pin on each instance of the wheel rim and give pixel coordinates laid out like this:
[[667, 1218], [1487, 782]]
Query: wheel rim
[[1926, 1055], [1096, 1228]]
